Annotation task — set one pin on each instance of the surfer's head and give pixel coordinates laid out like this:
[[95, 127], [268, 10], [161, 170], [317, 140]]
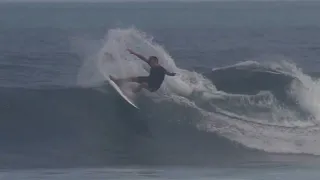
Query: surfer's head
[[153, 60]]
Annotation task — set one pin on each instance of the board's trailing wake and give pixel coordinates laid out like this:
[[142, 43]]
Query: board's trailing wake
[[271, 107]]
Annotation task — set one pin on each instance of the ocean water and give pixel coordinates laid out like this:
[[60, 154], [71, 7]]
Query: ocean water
[[244, 104]]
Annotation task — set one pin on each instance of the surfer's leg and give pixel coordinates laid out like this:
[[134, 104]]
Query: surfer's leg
[[140, 86], [122, 80], [139, 79]]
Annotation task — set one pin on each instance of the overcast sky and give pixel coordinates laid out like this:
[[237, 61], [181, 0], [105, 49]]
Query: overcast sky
[[97, 0], [134, 0], [93, 0]]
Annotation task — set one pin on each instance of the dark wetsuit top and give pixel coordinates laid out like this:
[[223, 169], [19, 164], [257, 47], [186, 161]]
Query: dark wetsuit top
[[155, 78]]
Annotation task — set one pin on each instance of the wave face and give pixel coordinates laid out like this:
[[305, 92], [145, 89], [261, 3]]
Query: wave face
[[212, 117]]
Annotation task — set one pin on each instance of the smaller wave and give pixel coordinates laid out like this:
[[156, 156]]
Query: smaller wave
[[270, 107]]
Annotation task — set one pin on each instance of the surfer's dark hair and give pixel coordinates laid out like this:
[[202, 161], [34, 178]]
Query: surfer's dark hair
[[153, 58]]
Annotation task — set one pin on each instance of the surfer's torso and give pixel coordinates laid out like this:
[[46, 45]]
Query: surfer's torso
[[156, 77]]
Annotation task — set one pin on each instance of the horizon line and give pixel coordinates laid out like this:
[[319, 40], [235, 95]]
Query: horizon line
[[146, 1]]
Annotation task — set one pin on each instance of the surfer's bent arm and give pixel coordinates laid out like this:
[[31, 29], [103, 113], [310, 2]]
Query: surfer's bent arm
[[139, 56], [169, 73]]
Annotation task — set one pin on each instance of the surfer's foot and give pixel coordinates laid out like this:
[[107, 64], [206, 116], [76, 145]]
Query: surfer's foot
[[113, 79], [117, 80]]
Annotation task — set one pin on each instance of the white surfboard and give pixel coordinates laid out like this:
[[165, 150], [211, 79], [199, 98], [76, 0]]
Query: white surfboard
[[117, 88]]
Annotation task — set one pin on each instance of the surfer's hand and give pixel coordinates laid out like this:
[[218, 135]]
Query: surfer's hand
[[130, 51]]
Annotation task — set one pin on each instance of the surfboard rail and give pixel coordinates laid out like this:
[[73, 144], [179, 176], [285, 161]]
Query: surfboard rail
[[117, 88]]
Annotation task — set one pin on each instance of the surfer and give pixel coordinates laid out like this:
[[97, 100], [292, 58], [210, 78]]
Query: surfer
[[155, 78]]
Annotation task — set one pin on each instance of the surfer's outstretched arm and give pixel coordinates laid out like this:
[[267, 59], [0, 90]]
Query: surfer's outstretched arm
[[169, 73], [139, 56]]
